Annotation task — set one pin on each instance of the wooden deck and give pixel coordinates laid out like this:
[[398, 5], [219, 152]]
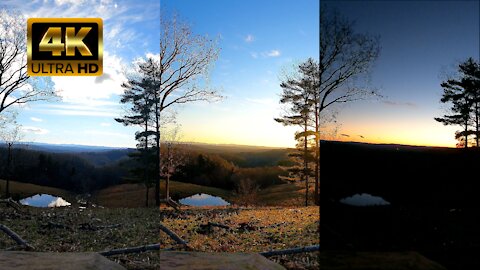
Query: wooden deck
[[337, 260], [23, 260], [179, 260]]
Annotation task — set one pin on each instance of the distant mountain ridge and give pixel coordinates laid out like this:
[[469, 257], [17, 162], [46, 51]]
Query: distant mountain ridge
[[78, 148], [386, 145], [66, 148], [243, 155]]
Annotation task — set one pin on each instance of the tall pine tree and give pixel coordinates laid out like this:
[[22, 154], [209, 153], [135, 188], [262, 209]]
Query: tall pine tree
[[471, 72], [298, 94], [463, 94], [140, 94]]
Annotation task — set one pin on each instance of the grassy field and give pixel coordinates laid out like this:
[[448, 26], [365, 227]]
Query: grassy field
[[133, 195], [69, 229], [124, 195], [282, 195], [20, 190], [278, 195], [182, 190], [252, 230], [126, 222]]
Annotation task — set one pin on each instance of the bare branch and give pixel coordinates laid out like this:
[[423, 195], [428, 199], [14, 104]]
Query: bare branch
[[185, 60], [16, 87], [344, 57]]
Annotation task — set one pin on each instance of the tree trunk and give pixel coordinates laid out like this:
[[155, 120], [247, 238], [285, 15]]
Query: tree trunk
[[317, 155], [9, 174], [476, 123], [305, 161], [145, 163], [157, 165]]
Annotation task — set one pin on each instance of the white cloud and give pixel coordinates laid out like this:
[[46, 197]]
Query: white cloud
[[273, 53], [249, 38], [90, 96], [72, 2], [59, 202], [85, 107], [70, 8], [152, 55], [117, 19], [105, 124], [85, 90], [34, 130], [35, 119]]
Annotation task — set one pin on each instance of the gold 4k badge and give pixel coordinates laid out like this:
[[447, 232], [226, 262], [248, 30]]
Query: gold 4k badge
[[65, 47]]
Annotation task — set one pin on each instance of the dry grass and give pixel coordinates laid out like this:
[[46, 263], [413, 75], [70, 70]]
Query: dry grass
[[253, 230], [124, 195], [182, 190], [133, 195], [69, 229], [282, 195]]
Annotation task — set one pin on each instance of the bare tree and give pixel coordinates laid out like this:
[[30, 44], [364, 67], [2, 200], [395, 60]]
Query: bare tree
[[345, 58], [246, 190], [16, 87], [172, 157], [182, 71], [10, 134]]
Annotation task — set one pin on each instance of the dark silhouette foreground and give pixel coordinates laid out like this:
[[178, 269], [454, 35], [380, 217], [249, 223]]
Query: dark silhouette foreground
[[433, 194]]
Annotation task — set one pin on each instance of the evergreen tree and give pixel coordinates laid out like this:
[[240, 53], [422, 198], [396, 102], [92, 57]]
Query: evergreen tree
[[298, 93], [140, 94], [464, 96], [471, 71]]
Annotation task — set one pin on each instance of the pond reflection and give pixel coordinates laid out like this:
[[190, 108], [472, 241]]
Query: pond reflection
[[44, 200], [364, 199], [203, 200]]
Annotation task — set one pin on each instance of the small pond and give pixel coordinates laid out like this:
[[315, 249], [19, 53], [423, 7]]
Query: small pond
[[364, 199], [44, 200], [203, 200]]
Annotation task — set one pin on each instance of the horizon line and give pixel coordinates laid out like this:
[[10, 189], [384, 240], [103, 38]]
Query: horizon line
[[133, 147], [233, 144]]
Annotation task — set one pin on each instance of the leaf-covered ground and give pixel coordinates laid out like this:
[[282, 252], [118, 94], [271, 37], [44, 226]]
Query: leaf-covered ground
[[251, 230], [92, 229], [98, 229]]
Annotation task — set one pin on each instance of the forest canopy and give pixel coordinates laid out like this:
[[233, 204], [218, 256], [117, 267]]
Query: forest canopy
[[90, 171]]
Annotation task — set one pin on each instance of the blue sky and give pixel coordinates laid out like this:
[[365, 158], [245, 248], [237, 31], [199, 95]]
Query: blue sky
[[89, 104], [422, 42], [258, 40]]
